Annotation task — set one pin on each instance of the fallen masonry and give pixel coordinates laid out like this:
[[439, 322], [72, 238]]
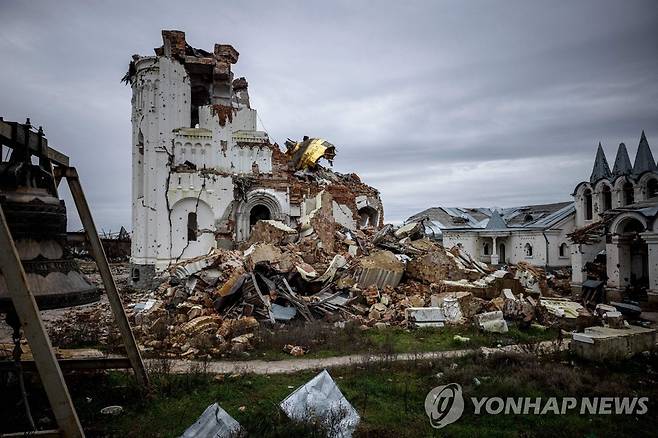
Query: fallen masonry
[[217, 304], [205, 177]]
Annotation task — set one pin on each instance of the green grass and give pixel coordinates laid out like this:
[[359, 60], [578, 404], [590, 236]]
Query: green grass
[[389, 397], [322, 340]]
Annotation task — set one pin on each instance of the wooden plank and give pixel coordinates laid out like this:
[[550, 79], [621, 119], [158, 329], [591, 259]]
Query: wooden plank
[[112, 363], [33, 328], [98, 253], [32, 141], [35, 433]]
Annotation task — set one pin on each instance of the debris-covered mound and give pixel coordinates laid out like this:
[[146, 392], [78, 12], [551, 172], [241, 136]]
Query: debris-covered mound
[[215, 304]]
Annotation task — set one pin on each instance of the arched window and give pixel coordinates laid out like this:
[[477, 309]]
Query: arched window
[[588, 204], [652, 188], [629, 197], [527, 218], [192, 227], [607, 198], [563, 250], [528, 250], [486, 249]]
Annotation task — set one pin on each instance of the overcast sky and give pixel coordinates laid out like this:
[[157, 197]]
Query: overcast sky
[[453, 103]]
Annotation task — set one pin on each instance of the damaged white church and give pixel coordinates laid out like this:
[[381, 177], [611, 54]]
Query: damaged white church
[[203, 174], [608, 235]]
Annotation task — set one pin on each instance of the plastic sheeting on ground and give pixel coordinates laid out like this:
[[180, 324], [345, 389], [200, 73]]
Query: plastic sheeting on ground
[[215, 422], [321, 398]]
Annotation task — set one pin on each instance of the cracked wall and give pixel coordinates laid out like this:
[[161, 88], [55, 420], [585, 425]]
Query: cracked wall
[[197, 153]]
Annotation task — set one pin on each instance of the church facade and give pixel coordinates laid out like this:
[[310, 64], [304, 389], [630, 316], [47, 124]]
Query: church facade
[[616, 212], [203, 174]]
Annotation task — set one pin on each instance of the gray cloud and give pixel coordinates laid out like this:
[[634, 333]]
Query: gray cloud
[[435, 103]]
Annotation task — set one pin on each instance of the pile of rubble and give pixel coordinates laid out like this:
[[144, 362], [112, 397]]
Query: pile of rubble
[[213, 305]]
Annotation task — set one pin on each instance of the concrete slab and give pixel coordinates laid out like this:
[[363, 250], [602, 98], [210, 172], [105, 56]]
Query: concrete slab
[[605, 343]]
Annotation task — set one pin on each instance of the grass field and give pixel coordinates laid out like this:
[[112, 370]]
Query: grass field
[[389, 397], [323, 340]]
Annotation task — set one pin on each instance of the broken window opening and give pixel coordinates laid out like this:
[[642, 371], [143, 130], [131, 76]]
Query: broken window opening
[[194, 117], [629, 196], [528, 250], [563, 250], [259, 212], [200, 96], [192, 227], [607, 198], [486, 249], [588, 204], [652, 188], [367, 217]]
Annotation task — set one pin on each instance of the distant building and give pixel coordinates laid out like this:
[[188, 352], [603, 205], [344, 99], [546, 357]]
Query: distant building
[[535, 233], [203, 174], [613, 221], [616, 211]]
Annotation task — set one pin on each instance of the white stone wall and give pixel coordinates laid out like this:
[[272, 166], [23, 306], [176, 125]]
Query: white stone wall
[[469, 242], [545, 245], [161, 96], [162, 196]]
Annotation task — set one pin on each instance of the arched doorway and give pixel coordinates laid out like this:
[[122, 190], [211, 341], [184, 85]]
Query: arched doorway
[[259, 204], [639, 254], [501, 253], [259, 212], [628, 255]]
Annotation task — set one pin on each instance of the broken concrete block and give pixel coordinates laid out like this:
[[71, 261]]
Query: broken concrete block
[[380, 269], [262, 252], [411, 229], [491, 322], [614, 319], [271, 231], [605, 343], [426, 316], [562, 308], [434, 267], [495, 326], [452, 309]]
